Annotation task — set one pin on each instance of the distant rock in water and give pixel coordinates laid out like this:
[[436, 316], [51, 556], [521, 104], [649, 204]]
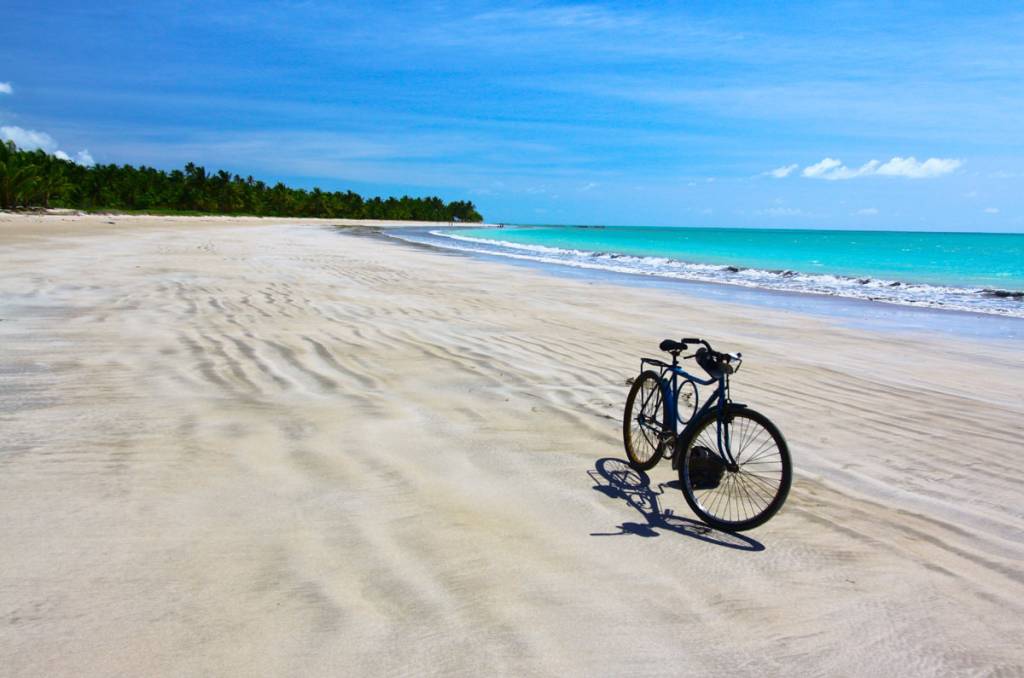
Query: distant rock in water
[[788, 273], [1004, 294], [731, 269], [895, 284], [864, 281]]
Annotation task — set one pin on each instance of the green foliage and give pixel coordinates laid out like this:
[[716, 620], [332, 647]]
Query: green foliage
[[36, 179]]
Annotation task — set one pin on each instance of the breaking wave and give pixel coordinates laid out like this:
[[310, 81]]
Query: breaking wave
[[979, 300]]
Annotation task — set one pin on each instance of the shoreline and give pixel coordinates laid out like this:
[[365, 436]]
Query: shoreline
[[53, 217], [868, 286], [266, 451], [849, 311]]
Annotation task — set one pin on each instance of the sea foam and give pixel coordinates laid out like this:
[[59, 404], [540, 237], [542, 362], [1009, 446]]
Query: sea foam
[[978, 300]]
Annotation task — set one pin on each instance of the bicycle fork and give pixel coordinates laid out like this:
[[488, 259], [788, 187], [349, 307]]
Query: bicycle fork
[[723, 426]]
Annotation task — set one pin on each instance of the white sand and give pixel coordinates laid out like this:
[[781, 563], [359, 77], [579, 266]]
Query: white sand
[[234, 448]]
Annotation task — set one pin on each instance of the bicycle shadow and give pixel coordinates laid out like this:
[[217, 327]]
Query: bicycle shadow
[[615, 478]]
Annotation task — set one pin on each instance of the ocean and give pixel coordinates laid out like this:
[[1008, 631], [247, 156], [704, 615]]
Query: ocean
[[978, 272]]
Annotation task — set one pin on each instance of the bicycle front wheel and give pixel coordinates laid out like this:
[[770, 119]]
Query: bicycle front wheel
[[743, 496], [645, 433]]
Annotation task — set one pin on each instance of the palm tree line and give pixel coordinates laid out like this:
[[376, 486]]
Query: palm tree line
[[37, 179]]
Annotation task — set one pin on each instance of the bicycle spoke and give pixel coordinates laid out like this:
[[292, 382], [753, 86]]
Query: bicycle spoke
[[758, 491], [745, 493], [761, 451], [762, 484], [716, 500], [748, 499], [730, 496], [744, 437], [756, 475], [745, 502], [767, 488], [753, 439], [759, 501]]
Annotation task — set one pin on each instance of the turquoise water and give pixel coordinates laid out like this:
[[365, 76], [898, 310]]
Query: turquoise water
[[960, 259], [981, 272]]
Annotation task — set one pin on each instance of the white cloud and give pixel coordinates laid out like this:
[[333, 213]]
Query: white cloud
[[991, 210], [819, 169], [868, 211], [910, 167], [5, 88], [30, 140], [831, 169], [589, 186], [782, 172]]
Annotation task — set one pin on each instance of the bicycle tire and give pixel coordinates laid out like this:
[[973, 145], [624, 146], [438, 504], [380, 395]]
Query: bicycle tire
[[645, 444], [742, 499]]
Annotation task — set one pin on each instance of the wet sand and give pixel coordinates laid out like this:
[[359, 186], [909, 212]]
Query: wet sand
[[230, 447]]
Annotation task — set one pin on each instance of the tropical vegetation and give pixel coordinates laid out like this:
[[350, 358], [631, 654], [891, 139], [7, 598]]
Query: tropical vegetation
[[37, 179]]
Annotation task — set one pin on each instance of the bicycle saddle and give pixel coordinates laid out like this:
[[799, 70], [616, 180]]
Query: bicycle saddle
[[672, 346]]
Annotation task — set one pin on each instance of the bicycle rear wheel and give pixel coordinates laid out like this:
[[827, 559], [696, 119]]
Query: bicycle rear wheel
[[645, 433], [743, 497]]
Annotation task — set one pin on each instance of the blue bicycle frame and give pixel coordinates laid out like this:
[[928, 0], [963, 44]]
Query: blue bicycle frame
[[719, 400]]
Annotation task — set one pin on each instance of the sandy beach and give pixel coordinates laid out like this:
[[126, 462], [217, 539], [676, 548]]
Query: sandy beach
[[237, 447]]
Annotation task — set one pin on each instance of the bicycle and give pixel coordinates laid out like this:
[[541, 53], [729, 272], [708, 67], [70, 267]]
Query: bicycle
[[733, 463]]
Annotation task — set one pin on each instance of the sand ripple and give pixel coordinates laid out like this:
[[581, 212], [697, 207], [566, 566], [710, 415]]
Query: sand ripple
[[282, 450]]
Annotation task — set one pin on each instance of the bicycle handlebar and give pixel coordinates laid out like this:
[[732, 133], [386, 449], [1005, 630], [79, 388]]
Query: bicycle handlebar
[[693, 340]]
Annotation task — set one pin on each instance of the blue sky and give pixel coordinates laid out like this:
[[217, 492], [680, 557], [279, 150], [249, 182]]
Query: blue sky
[[902, 115]]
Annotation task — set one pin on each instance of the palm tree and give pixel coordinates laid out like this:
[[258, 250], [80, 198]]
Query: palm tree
[[18, 178], [53, 183]]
